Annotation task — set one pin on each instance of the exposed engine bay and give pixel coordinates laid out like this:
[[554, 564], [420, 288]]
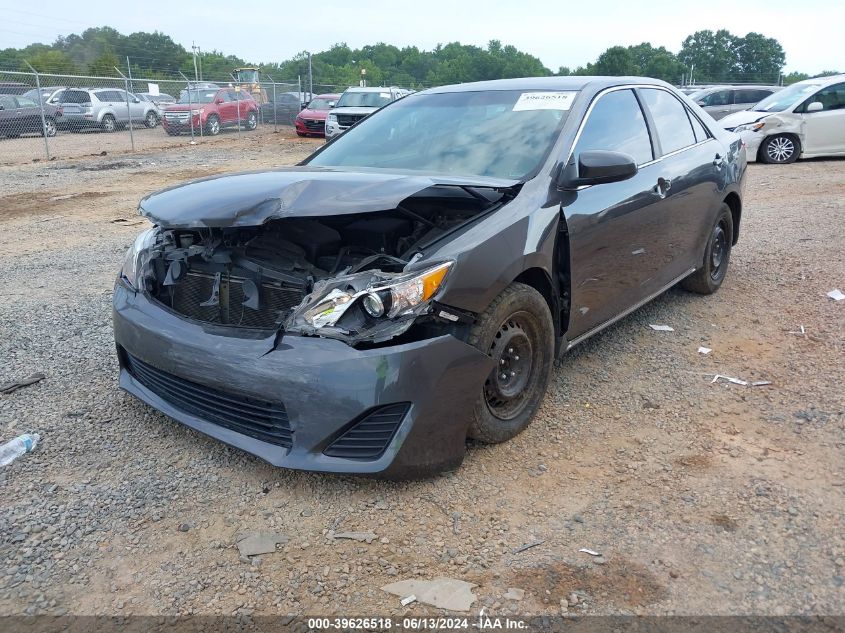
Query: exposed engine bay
[[341, 276]]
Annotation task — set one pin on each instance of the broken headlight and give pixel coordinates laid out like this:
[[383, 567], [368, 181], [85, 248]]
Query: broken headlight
[[749, 127], [133, 261], [380, 295]]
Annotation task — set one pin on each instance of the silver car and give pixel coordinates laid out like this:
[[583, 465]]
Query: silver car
[[720, 101], [103, 108]]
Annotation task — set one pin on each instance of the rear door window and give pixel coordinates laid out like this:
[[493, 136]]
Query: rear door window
[[23, 102], [673, 127], [616, 123]]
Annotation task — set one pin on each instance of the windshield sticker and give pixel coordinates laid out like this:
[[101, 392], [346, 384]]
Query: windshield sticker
[[544, 101]]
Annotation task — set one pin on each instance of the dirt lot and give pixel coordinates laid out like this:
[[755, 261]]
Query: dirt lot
[[702, 498], [30, 148]]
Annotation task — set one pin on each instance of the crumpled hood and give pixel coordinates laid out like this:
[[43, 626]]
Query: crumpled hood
[[741, 118], [252, 198]]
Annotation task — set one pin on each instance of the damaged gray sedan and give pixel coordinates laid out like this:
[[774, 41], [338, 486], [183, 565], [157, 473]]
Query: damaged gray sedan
[[410, 284]]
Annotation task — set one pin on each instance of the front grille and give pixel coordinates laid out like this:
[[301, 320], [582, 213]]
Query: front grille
[[260, 419], [274, 300], [177, 117], [345, 120], [317, 126], [368, 438]]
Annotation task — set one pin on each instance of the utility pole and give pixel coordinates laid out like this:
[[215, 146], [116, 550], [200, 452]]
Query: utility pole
[[196, 72], [199, 58], [310, 79]]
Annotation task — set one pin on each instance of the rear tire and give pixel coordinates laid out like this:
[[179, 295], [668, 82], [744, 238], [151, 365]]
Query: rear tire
[[780, 149], [49, 129], [151, 120], [717, 255], [108, 124], [251, 121], [516, 331]]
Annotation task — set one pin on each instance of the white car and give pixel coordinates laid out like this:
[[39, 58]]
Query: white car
[[805, 120], [356, 104]]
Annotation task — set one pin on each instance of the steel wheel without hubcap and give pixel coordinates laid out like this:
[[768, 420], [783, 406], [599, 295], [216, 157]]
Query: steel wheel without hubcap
[[717, 255], [505, 389], [516, 332], [719, 247]]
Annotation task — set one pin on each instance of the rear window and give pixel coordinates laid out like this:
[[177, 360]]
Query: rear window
[[364, 99], [670, 118], [72, 96]]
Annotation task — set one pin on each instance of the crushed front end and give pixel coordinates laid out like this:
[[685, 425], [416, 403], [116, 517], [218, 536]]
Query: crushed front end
[[312, 342]]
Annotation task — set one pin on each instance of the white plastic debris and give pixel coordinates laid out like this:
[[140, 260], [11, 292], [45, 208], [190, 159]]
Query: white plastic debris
[[661, 328], [444, 593], [704, 350], [408, 600], [800, 331], [591, 552], [836, 294], [735, 381], [21, 445], [739, 381]]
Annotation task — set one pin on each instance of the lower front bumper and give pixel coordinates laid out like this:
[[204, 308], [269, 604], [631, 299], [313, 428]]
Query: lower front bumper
[[752, 142], [323, 384]]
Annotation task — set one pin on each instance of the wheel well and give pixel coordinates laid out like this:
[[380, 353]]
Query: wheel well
[[538, 279], [791, 135], [733, 201]]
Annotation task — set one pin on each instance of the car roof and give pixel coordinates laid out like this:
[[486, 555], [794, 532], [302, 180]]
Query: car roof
[[572, 82], [328, 95], [824, 81], [375, 89]]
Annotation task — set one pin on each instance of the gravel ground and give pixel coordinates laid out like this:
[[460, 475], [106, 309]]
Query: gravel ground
[[701, 498]]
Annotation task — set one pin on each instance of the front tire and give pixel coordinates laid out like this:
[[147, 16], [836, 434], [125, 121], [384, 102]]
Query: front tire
[[517, 332], [709, 277], [151, 119], [780, 149]]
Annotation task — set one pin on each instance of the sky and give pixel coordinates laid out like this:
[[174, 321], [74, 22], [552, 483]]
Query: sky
[[559, 33]]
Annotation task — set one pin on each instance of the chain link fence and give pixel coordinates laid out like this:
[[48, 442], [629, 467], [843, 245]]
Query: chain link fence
[[45, 116]]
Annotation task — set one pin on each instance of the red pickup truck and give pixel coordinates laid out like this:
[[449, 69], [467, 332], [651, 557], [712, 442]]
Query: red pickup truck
[[210, 110]]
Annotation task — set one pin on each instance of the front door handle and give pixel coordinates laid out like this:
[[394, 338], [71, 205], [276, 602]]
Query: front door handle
[[662, 187]]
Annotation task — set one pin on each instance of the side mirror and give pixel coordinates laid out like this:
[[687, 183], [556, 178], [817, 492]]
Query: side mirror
[[815, 106], [596, 167]]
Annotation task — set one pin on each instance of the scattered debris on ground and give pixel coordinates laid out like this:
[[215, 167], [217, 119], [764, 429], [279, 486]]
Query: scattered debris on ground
[[10, 387], [444, 593]]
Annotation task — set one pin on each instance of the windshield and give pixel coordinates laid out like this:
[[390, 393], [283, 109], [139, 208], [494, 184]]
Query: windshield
[[786, 98], [496, 134], [197, 96], [363, 99], [321, 104]]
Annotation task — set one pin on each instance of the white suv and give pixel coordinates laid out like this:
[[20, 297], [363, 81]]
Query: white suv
[[356, 104], [805, 120]]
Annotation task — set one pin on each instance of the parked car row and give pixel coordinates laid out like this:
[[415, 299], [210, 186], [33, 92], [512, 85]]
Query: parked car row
[[20, 115]]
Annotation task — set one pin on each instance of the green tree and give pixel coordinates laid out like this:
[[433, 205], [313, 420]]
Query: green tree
[[616, 61], [104, 65], [50, 61], [711, 57], [759, 58]]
